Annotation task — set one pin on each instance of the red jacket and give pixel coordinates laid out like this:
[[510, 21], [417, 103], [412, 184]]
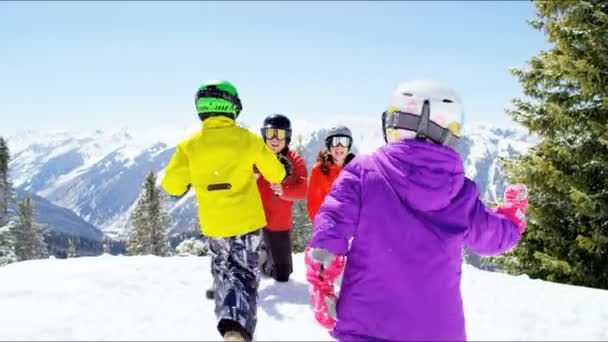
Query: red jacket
[[320, 183], [279, 209], [319, 187]]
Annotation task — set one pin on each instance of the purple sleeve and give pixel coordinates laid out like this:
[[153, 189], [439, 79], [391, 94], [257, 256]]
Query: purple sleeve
[[489, 233], [338, 216]]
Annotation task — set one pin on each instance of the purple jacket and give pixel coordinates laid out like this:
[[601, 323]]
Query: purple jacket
[[410, 210]]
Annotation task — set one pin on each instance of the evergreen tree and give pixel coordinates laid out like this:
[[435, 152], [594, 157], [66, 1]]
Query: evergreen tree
[[139, 235], [567, 172], [6, 191], [7, 251], [72, 250], [302, 227], [107, 245], [149, 222], [29, 235]]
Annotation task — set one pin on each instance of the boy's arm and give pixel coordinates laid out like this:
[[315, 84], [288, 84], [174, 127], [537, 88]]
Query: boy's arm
[[266, 161], [177, 174]]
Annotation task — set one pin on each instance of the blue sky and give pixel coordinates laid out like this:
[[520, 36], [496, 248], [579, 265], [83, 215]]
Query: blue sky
[[90, 65]]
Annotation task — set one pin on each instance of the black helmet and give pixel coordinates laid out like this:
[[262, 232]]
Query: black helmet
[[278, 121]]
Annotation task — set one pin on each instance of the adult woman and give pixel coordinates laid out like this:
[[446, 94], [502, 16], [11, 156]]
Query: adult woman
[[278, 199], [330, 162]]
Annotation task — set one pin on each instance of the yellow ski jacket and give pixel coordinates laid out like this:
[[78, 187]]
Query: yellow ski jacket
[[217, 162]]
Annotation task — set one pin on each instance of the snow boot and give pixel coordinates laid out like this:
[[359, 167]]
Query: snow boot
[[233, 336]]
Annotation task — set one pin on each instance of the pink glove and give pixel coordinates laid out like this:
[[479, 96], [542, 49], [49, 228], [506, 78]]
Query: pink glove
[[322, 268], [515, 205]]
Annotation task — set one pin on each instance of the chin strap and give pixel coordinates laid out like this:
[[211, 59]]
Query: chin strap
[[421, 124]]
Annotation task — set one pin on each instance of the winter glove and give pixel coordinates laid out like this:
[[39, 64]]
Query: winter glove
[[286, 163], [515, 205], [182, 195], [322, 268]]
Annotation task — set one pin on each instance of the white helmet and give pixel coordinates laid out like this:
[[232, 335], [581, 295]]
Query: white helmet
[[424, 110]]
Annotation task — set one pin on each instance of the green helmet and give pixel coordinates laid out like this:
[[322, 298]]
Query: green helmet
[[217, 98]]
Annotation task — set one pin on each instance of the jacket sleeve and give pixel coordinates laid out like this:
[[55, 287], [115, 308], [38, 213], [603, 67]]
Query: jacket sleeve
[[266, 161], [295, 189], [314, 192], [489, 233], [177, 173], [338, 216]]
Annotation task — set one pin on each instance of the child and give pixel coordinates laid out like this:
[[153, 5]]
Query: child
[[217, 162], [409, 210]]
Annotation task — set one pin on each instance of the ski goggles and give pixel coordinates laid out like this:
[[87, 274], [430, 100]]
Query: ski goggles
[[279, 133], [339, 140]]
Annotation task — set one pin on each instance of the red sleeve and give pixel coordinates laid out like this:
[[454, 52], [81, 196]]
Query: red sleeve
[[315, 193], [295, 186]]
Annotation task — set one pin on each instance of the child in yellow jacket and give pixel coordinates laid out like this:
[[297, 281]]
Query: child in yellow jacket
[[217, 162]]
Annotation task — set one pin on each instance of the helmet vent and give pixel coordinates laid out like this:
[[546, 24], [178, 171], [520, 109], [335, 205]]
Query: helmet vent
[[447, 101], [407, 94]]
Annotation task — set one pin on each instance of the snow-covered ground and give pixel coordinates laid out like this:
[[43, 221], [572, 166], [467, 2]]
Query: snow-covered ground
[[152, 298]]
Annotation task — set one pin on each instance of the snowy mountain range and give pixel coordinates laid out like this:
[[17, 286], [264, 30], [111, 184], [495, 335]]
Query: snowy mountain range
[[98, 175]]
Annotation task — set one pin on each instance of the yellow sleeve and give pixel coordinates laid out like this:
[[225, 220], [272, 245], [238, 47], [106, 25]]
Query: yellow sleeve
[[177, 173], [266, 161]]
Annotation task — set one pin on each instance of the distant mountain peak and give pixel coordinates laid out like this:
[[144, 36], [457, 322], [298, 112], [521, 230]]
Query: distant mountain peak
[[98, 174]]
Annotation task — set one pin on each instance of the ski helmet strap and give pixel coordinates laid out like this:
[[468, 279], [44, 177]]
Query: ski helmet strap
[[423, 124], [425, 129], [448, 138], [384, 114]]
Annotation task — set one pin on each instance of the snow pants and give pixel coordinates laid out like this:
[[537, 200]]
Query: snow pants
[[276, 255], [234, 266]]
